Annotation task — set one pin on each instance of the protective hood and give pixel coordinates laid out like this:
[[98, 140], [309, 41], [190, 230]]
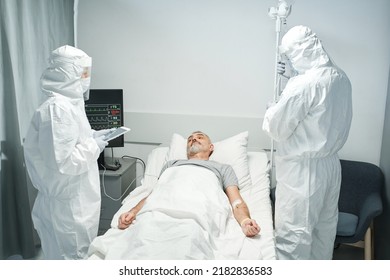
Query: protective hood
[[65, 72], [304, 50]]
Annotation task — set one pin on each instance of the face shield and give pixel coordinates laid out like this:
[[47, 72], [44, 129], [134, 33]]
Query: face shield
[[86, 82], [86, 63], [289, 66], [68, 73], [303, 49], [289, 52]]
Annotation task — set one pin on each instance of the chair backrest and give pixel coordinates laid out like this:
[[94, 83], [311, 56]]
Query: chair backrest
[[359, 180]]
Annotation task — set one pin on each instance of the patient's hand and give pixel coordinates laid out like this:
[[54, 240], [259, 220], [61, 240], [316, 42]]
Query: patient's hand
[[250, 228], [126, 219]]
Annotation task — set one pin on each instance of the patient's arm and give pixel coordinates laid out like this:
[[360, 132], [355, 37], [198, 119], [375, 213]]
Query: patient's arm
[[127, 218], [241, 212]]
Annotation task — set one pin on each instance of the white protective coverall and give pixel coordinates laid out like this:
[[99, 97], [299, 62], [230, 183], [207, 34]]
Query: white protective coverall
[[61, 159], [310, 124]]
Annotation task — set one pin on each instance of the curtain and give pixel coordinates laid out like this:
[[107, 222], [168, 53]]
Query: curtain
[[29, 31]]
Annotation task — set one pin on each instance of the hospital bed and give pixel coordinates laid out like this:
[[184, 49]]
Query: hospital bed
[[188, 221]]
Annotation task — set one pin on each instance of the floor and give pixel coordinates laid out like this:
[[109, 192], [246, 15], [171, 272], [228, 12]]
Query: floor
[[38, 256], [348, 252], [344, 252]]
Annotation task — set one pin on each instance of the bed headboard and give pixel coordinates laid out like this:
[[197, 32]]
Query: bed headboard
[[157, 128]]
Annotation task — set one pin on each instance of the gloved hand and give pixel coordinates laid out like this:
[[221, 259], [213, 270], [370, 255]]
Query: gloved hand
[[102, 132], [101, 142], [281, 69]]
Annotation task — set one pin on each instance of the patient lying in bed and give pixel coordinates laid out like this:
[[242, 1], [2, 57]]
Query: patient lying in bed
[[199, 149], [186, 214]]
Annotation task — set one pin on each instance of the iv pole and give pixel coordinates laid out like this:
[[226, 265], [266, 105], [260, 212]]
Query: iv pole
[[279, 14]]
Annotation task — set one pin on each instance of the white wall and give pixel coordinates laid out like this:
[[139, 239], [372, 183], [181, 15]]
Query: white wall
[[216, 57]]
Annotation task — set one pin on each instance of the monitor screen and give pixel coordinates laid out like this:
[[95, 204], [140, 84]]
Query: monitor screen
[[104, 109]]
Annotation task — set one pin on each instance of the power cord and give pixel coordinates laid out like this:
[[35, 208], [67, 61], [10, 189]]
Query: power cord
[[137, 158], [119, 198], [117, 164], [113, 165]]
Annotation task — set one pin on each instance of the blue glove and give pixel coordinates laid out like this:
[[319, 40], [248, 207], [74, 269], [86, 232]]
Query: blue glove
[[101, 142], [102, 132]]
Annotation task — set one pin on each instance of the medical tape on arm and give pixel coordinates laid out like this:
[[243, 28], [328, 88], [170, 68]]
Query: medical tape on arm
[[244, 220], [235, 203]]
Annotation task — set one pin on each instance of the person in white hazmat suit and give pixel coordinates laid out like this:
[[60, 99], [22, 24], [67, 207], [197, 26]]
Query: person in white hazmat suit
[[310, 124], [61, 152]]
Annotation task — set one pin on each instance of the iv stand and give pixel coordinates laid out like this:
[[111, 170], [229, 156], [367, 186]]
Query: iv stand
[[279, 14]]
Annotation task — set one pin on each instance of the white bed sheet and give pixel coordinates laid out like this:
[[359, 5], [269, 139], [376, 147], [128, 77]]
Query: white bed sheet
[[230, 244]]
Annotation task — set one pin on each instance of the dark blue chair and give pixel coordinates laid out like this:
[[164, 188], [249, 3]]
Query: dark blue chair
[[359, 203]]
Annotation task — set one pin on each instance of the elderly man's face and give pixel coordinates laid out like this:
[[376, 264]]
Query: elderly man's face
[[198, 142]]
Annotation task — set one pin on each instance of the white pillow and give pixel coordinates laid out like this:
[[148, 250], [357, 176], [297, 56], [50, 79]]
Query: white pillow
[[232, 151]]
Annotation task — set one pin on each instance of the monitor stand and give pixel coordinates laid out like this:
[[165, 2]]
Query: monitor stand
[[103, 165]]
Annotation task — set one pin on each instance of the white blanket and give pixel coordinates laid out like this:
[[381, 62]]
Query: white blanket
[[187, 216]]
